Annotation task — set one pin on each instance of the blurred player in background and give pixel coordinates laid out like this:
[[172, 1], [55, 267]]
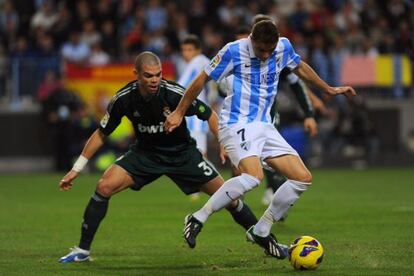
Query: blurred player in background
[[195, 63], [146, 102], [246, 129]]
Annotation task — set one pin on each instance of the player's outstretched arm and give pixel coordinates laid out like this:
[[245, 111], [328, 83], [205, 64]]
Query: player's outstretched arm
[[174, 119], [306, 73], [93, 144]]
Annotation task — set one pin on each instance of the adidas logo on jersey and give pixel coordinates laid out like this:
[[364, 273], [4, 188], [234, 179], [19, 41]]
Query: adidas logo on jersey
[[136, 114], [152, 128]]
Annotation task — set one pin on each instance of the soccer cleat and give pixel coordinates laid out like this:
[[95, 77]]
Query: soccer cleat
[[269, 244], [76, 255], [191, 229]]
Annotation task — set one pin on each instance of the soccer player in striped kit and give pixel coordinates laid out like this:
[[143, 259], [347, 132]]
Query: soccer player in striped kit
[[246, 130], [305, 99], [195, 63]]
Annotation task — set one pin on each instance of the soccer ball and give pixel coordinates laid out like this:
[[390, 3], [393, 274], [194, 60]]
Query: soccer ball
[[305, 253]]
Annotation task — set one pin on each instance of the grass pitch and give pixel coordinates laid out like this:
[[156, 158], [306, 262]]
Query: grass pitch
[[364, 219]]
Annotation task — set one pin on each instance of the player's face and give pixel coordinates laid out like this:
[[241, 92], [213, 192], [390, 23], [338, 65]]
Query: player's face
[[149, 78], [263, 50], [188, 51]]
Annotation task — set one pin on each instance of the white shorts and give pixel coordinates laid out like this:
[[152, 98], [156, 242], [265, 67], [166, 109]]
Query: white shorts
[[253, 139], [201, 139]]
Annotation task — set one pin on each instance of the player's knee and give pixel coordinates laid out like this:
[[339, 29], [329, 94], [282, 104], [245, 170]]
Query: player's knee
[[248, 182], [105, 188], [258, 174], [304, 176]]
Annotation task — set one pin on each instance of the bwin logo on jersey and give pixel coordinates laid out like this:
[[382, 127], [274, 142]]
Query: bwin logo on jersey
[[151, 129], [245, 145]]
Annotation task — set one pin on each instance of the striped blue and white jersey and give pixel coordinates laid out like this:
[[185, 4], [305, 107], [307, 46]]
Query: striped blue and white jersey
[[191, 71], [252, 83]]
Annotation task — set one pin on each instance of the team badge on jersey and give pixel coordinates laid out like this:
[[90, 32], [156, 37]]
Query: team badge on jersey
[[215, 61], [105, 120], [166, 111], [245, 145]]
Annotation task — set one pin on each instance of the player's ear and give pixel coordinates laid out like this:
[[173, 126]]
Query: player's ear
[[135, 72]]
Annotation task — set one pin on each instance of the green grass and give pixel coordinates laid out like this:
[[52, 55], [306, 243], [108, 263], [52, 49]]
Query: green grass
[[364, 219]]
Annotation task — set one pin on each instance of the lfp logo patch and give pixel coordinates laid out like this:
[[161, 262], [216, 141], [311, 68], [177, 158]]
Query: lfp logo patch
[[105, 120], [215, 61]]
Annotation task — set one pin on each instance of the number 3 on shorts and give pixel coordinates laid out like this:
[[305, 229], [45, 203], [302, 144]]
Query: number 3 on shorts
[[206, 168]]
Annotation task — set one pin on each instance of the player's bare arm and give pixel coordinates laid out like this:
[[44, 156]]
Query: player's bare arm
[[213, 126], [317, 103], [302, 94], [310, 126], [93, 144], [175, 118], [306, 73]]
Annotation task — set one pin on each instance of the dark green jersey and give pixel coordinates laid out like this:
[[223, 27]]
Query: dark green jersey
[[148, 116]]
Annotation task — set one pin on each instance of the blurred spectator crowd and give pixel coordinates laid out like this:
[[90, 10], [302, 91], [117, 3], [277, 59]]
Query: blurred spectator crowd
[[45, 33], [96, 32]]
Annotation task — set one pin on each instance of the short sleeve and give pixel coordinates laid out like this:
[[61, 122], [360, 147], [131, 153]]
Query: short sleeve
[[291, 59], [200, 109], [221, 65], [112, 117]]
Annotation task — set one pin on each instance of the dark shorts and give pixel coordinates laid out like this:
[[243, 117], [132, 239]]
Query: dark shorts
[[187, 168]]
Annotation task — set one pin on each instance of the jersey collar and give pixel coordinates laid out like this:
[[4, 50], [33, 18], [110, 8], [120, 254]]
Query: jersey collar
[[250, 47], [146, 100], [251, 52]]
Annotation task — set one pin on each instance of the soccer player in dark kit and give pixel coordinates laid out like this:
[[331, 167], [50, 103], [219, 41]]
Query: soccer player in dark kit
[[146, 102]]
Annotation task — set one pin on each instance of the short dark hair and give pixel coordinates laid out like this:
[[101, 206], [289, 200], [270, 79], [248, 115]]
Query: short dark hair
[[193, 40], [266, 32], [243, 30], [262, 17], [148, 58]]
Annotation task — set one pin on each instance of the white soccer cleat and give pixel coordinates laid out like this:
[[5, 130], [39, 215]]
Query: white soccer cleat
[[76, 255]]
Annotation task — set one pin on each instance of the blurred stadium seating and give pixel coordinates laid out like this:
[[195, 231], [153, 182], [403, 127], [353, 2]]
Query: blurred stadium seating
[[85, 48]]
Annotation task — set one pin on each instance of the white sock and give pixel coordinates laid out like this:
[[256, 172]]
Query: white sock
[[282, 200], [231, 190]]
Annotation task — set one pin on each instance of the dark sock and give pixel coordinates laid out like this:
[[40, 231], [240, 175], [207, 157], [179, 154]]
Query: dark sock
[[92, 217], [274, 180], [243, 215]]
